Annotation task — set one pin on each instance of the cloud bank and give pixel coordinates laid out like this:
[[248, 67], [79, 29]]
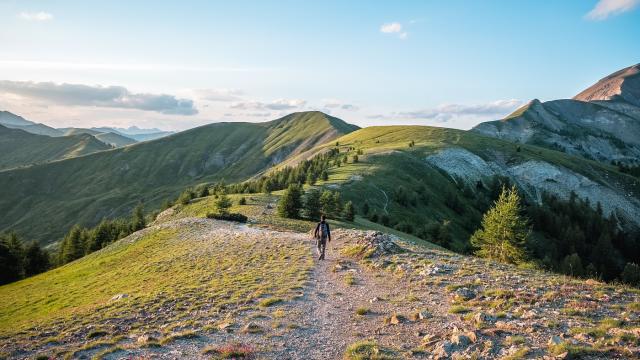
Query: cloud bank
[[99, 96], [280, 104], [445, 112], [35, 16], [606, 8]]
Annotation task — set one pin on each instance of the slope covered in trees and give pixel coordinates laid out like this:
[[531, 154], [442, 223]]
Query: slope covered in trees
[[43, 202]]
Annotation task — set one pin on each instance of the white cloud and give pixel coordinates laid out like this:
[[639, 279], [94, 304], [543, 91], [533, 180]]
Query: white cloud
[[446, 112], [606, 8], [391, 28], [35, 16], [57, 65], [337, 104], [279, 104], [99, 96], [221, 95], [394, 28]]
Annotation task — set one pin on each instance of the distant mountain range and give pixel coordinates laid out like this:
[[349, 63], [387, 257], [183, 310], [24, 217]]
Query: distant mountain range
[[543, 147], [20, 148], [600, 123], [114, 137], [106, 184]]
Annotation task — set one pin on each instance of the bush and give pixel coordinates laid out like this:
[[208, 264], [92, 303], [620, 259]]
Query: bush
[[242, 201], [228, 217], [631, 274]]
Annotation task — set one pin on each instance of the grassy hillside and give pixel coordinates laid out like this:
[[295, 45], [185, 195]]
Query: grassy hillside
[[20, 148], [183, 275], [44, 201], [397, 182], [108, 137], [188, 287]]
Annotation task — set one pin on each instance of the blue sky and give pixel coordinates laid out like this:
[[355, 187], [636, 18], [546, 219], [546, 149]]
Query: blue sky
[[179, 64]]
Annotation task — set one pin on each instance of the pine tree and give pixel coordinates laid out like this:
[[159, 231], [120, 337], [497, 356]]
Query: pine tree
[[355, 158], [223, 204], [337, 204], [311, 179], [572, 265], [10, 264], [349, 212], [324, 175], [312, 207], [137, 219], [72, 246], [504, 231], [101, 237], [631, 274], [365, 209], [290, 203], [204, 191], [36, 260], [327, 203]]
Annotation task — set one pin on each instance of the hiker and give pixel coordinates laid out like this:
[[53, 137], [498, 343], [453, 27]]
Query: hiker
[[322, 235]]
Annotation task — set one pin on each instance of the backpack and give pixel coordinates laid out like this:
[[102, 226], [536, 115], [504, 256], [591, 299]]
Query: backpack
[[324, 230]]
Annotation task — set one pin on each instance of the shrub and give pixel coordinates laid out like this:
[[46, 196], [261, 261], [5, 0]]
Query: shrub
[[631, 274], [242, 201]]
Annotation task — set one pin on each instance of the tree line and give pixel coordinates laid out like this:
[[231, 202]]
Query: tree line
[[296, 203], [18, 261]]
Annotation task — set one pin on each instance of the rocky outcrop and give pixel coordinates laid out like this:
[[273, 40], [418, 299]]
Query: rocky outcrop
[[536, 177], [601, 123]]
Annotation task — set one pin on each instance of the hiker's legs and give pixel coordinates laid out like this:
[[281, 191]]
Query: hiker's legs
[[322, 244]]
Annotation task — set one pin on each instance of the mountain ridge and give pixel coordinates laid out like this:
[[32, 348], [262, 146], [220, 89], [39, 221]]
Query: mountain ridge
[[110, 183], [600, 123]]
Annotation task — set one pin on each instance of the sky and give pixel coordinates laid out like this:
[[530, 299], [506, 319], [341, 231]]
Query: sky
[[175, 65]]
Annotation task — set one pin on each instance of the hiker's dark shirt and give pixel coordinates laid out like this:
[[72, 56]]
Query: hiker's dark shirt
[[317, 232]]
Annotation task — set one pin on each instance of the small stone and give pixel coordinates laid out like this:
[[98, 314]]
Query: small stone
[[443, 350], [374, 299], [460, 340], [465, 294], [395, 319], [473, 337], [143, 339], [225, 325], [555, 340], [119, 297], [251, 328]]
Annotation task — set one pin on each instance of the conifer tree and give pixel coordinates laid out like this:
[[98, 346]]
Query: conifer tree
[[72, 246], [290, 203], [36, 260], [349, 212], [312, 207], [10, 264], [504, 231], [138, 222], [223, 204], [327, 203], [204, 191]]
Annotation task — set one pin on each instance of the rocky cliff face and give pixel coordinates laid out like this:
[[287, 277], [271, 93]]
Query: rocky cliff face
[[622, 85], [600, 123]]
